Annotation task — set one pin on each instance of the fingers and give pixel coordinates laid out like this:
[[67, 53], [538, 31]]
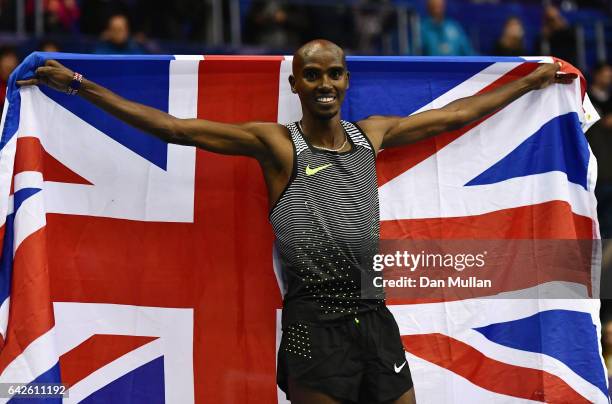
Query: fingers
[[42, 74], [53, 63], [41, 71], [565, 78], [30, 82]]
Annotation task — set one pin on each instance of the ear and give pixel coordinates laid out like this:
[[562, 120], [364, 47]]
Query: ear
[[292, 84], [348, 81]]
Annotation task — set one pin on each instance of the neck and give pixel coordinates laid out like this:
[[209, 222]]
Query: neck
[[437, 18], [511, 42], [326, 133], [600, 93]]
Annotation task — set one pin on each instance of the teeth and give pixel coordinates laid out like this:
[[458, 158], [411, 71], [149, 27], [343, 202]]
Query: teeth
[[325, 99]]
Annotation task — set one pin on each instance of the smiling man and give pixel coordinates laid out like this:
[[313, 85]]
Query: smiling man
[[340, 342]]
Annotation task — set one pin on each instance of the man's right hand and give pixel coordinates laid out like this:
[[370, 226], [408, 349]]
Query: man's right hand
[[52, 74]]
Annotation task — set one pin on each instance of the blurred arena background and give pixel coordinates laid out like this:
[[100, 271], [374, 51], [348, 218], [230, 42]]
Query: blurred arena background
[[578, 31]]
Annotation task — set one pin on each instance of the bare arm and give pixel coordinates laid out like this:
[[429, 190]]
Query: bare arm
[[398, 131], [239, 139]]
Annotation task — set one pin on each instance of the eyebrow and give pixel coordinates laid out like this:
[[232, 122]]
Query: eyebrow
[[316, 67]]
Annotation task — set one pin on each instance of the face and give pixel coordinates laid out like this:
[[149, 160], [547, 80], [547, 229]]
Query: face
[[8, 63], [320, 79], [49, 47], [514, 28], [603, 78], [436, 8], [118, 30], [607, 334], [551, 14]]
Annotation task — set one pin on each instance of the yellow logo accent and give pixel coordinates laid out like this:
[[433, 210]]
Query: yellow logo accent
[[313, 171]]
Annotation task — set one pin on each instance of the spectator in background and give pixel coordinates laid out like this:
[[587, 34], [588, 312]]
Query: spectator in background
[[116, 38], [8, 62], [274, 24], [373, 17], [512, 40], [606, 345], [59, 15], [558, 37], [599, 92], [600, 139], [47, 45], [441, 36]]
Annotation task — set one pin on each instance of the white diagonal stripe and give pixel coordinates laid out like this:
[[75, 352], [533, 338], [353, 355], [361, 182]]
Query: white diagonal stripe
[[36, 359], [29, 218]]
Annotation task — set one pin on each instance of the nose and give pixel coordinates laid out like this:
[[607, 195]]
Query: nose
[[326, 83]]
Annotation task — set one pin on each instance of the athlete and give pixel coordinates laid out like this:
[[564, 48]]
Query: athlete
[[340, 342]]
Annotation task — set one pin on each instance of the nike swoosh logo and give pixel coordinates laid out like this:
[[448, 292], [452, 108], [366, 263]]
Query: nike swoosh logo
[[313, 171], [399, 369]]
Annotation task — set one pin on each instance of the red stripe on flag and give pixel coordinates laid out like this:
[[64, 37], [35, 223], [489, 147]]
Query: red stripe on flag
[[393, 162], [243, 58], [31, 311], [2, 230], [97, 351], [488, 373], [549, 220], [28, 156], [238, 348], [31, 156]]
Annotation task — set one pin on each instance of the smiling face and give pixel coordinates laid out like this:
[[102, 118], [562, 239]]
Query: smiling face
[[320, 78]]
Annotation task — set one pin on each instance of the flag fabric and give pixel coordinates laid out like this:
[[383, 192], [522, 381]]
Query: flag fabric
[[137, 271]]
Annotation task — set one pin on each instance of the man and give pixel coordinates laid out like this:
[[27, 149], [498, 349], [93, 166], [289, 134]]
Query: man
[[116, 38], [340, 343], [600, 140], [8, 62], [558, 37], [442, 36]]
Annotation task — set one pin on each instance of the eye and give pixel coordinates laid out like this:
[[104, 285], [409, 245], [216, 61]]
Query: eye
[[336, 74], [310, 75]]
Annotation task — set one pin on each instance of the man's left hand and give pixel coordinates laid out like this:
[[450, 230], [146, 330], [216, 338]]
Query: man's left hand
[[549, 73]]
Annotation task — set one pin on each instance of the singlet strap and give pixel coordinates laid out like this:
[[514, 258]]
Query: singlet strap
[[356, 134], [296, 137]]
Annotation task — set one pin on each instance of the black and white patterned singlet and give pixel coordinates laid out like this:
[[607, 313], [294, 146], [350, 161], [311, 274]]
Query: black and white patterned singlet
[[326, 224]]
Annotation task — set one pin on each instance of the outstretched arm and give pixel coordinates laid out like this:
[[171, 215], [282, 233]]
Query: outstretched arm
[[397, 131], [240, 139]]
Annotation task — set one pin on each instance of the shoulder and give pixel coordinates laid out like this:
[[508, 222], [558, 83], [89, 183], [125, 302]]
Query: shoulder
[[102, 48], [265, 130], [375, 127], [376, 122], [454, 26], [272, 134]]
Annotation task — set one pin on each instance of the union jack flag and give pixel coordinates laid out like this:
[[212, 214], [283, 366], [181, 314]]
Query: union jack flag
[[137, 271]]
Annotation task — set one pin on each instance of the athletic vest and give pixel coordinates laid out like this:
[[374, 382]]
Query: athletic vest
[[326, 225]]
